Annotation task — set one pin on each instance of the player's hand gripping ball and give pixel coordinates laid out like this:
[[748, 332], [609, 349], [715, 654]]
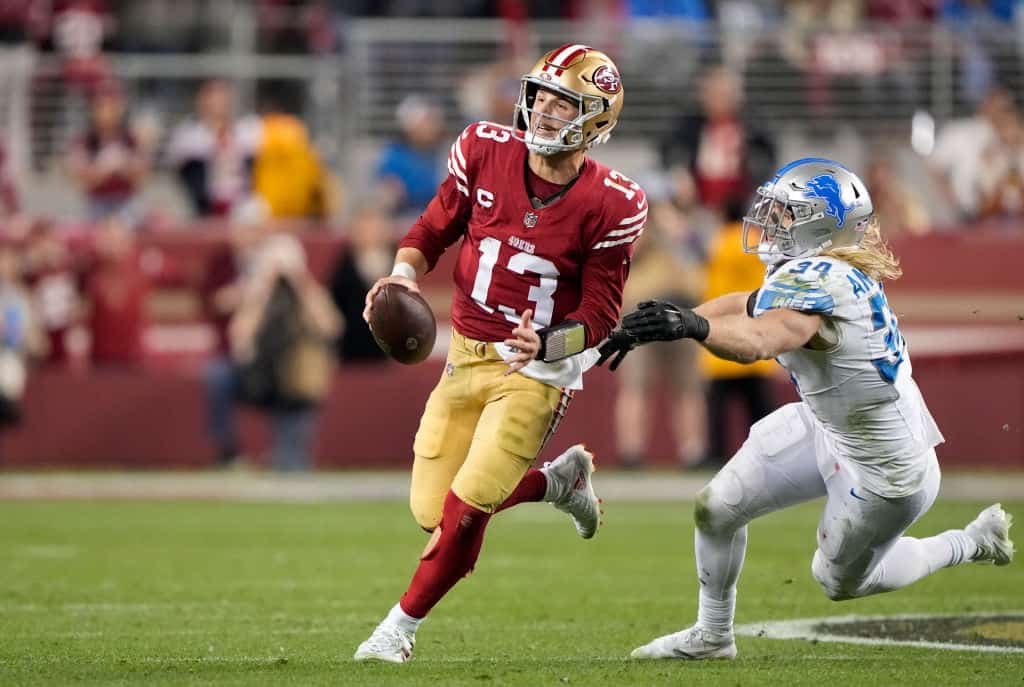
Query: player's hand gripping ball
[[403, 324]]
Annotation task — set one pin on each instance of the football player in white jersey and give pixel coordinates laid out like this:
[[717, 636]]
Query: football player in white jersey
[[861, 435]]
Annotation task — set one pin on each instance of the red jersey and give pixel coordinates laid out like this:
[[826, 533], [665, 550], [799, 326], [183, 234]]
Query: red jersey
[[566, 261], [113, 155], [117, 293]]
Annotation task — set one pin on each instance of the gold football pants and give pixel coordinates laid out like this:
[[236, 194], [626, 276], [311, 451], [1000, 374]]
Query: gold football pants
[[480, 431]]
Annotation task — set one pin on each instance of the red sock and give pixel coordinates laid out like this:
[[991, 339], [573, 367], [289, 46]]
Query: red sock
[[450, 559], [531, 487]]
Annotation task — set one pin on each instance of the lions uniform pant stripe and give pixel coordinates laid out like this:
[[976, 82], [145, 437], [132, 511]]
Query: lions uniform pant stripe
[[556, 419]]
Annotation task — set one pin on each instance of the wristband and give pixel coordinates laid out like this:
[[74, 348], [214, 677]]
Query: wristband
[[404, 269], [561, 341], [751, 302], [701, 328]]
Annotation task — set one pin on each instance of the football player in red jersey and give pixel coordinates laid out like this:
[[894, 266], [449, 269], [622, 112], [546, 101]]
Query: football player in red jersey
[[547, 234]]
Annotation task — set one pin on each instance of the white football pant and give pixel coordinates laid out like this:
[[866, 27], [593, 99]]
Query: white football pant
[[861, 549]]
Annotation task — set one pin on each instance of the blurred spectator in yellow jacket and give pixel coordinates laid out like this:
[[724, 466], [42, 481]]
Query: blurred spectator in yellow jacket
[[666, 265], [729, 269], [287, 172]]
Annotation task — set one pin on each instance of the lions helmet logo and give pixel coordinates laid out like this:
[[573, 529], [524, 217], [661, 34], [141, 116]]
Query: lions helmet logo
[[826, 187], [607, 79]]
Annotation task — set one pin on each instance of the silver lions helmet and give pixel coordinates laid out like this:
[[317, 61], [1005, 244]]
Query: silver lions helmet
[[811, 205]]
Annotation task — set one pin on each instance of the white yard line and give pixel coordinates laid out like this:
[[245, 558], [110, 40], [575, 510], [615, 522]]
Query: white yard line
[[655, 486], [804, 628]]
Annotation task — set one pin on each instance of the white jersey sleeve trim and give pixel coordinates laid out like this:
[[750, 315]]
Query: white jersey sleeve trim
[[462, 189], [636, 217], [455, 167], [459, 157], [639, 226], [628, 239]]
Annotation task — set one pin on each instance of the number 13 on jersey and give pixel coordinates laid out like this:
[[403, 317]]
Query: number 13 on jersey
[[541, 295]]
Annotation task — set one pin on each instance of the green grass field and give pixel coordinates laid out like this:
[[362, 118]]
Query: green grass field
[[278, 594]]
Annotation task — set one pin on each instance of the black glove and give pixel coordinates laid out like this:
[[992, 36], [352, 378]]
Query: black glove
[[618, 343], [662, 321]]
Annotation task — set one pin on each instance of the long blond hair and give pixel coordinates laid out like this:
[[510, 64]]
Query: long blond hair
[[872, 257]]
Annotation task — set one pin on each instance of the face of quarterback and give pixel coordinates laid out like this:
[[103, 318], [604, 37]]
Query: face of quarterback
[[551, 113]]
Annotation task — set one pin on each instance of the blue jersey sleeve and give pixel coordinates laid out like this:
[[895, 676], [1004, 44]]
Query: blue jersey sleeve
[[803, 285]]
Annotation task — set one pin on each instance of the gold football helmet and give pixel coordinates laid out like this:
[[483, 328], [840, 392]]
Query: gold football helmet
[[582, 75]]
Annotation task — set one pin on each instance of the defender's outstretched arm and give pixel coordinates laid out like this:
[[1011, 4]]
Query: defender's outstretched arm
[[746, 339]]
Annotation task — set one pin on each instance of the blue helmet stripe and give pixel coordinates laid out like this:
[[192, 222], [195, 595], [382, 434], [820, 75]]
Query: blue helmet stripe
[[805, 160]]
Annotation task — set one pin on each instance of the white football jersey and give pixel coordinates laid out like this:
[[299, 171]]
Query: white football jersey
[[855, 376]]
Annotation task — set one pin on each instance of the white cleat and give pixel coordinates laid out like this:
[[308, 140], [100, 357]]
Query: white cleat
[[388, 643], [571, 490], [692, 644], [991, 532]]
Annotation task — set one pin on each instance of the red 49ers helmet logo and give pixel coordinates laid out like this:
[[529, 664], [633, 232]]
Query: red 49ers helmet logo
[[607, 79]]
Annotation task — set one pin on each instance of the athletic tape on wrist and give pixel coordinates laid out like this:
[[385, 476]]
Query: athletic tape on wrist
[[404, 269]]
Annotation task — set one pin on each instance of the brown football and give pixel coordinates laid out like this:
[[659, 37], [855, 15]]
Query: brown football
[[402, 324]]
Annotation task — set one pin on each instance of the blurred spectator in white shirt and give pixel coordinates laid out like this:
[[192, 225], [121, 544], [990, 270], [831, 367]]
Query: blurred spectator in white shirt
[[213, 152], [54, 282], [957, 162], [1000, 180]]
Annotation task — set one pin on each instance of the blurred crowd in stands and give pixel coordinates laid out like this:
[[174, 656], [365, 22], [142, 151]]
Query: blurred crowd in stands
[[86, 298]]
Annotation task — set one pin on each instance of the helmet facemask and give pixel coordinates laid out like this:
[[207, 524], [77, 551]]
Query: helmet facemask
[[773, 215], [790, 227], [571, 136]]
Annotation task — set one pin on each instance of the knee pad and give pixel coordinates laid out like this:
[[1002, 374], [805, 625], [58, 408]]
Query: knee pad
[[426, 511], [715, 510], [829, 578], [486, 484]]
